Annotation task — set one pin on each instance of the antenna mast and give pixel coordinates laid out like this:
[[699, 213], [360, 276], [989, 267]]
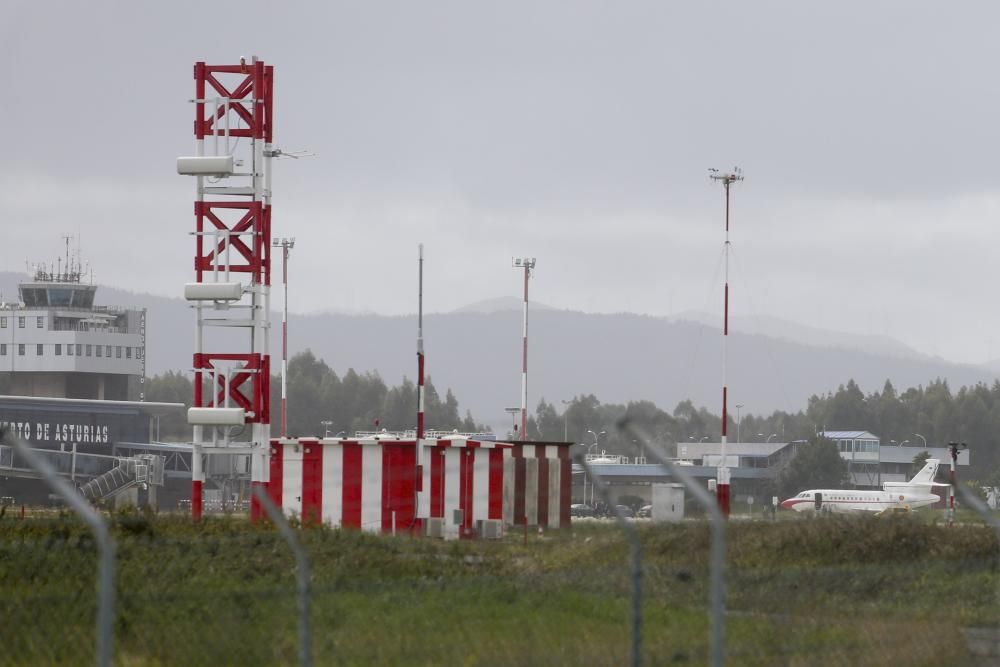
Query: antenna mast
[[722, 475]]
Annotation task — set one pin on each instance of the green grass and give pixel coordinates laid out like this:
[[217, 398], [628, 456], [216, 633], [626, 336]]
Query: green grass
[[829, 591]]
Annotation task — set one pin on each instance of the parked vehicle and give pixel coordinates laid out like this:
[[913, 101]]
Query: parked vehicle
[[626, 511], [580, 510], [645, 512]]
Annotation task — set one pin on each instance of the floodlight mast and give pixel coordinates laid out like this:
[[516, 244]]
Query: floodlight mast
[[722, 475], [285, 244], [528, 264]]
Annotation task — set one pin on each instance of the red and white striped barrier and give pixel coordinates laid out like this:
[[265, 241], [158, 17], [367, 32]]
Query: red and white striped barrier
[[369, 483]]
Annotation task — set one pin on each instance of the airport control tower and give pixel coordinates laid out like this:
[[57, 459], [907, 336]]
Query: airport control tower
[[56, 343]]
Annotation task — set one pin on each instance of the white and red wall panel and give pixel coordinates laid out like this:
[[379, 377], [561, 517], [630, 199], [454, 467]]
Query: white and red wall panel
[[370, 484]]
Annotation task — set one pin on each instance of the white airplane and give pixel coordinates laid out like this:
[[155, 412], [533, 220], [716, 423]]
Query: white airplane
[[905, 495]]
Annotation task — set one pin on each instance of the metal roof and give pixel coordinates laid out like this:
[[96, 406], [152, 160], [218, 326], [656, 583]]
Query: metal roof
[[849, 435], [94, 404], [651, 472], [697, 450]]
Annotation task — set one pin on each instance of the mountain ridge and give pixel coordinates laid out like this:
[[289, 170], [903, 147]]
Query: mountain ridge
[[617, 357]]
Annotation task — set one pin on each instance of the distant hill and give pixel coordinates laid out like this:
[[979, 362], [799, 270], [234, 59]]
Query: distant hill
[[801, 333], [500, 304], [619, 357]]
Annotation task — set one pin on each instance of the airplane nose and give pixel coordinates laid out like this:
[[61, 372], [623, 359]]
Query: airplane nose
[[787, 504]]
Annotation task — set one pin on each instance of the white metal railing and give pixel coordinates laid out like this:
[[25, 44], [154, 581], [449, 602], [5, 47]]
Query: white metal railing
[[411, 434]]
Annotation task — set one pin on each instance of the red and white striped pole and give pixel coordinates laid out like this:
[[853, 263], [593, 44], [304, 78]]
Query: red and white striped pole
[[419, 458], [722, 475], [528, 264], [285, 245], [953, 450]]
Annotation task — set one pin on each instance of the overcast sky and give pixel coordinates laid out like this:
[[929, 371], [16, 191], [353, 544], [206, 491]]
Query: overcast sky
[[576, 132]]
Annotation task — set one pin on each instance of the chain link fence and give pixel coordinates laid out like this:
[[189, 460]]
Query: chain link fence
[[822, 591]]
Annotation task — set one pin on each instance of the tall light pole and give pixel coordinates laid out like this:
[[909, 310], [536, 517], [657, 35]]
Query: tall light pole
[[528, 264], [722, 475], [285, 245], [739, 406], [566, 420], [922, 439], [326, 424]]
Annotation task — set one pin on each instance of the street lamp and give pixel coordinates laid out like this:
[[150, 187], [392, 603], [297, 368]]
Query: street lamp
[[285, 244], [703, 438], [738, 422], [566, 421], [922, 438], [773, 435], [326, 423], [597, 439]]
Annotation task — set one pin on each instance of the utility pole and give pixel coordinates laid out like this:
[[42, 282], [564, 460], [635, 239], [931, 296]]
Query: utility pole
[[722, 475]]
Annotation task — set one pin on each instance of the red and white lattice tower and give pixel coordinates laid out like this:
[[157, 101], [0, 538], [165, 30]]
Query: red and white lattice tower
[[231, 295], [722, 474]]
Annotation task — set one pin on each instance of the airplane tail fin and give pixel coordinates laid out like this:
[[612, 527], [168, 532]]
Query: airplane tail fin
[[927, 473]]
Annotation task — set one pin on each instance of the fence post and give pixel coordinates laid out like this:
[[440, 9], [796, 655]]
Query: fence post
[[302, 565], [105, 544], [636, 550], [717, 591]]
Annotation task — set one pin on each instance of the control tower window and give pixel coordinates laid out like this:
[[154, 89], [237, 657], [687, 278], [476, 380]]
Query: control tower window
[[128, 353], [99, 351], [20, 349], [3, 349], [58, 349], [39, 349], [3, 322], [90, 350], [60, 297], [40, 322], [79, 349], [20, 322], [33, 297], [118, 351]]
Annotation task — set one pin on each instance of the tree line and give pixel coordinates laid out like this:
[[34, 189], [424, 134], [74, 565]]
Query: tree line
[[927, 416], [320, 402], [931, 415]]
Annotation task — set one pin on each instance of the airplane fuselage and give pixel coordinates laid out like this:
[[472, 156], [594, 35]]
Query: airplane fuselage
[[847, 500]]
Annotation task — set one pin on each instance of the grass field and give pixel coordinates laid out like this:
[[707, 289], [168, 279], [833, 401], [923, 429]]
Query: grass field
[[807, 592]]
